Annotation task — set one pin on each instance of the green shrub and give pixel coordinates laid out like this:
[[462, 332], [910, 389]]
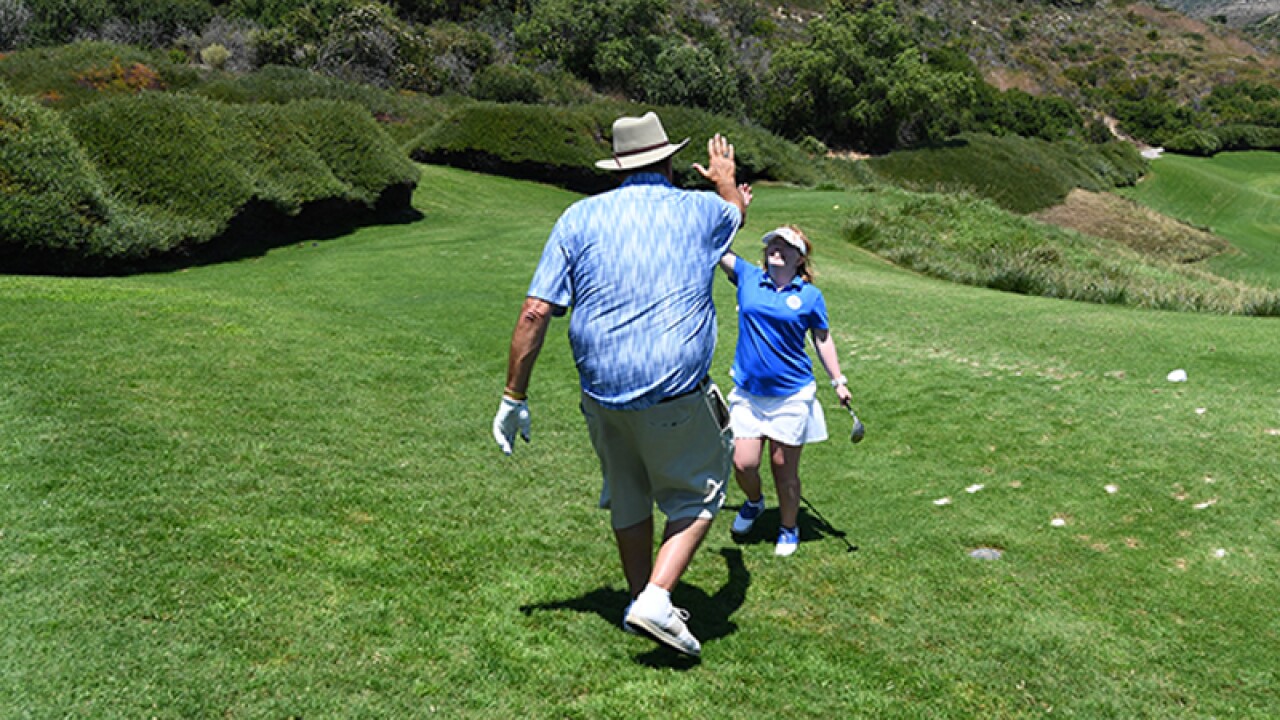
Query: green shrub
[[813, 145], [279, 84], [1019, 174], [167, 151], [215, 56], [137, 177], [356, 150], [1248, 137], [561, 144], [53, 23], [689, 76], [1194, 142], [518, 84], [404, 115], [508, 84], [875, 95], [50, 194], [1020, 113], [557, 144], [71, 75], [288, 172], [444, 57]]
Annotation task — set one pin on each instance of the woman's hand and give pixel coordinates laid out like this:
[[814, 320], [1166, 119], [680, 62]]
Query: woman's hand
[[846, 397]]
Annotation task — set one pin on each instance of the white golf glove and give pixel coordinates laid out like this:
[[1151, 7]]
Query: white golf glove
[[512, 415]]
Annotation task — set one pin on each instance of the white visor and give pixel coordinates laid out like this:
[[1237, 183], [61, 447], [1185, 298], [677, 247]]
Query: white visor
[[788, 236]]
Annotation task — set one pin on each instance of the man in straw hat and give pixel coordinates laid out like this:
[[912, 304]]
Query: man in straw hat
[[636, 264]]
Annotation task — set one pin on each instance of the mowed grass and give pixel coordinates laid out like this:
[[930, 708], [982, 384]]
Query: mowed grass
[[267, 489], [1236, 195]]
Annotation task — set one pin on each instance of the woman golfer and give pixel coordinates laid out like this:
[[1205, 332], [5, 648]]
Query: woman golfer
[[775, 392]]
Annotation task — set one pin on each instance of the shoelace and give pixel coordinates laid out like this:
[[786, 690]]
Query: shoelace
[[680, 613]]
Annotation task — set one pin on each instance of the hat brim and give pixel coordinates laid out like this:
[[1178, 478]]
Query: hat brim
[[639, 160], [786, 236]]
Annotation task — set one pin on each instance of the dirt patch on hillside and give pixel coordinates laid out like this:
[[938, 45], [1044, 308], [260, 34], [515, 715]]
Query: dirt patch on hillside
[[1112, 217], [1216, 42], [1009, 79], [848, 155]]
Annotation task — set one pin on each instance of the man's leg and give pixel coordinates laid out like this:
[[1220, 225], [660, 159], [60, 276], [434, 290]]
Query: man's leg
[[635, 547], [680, 540], [652, 610]]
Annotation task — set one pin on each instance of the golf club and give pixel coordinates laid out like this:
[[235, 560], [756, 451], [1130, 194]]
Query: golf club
[[855, 435], [849, 547]]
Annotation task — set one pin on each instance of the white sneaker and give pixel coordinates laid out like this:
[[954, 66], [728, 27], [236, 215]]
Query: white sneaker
[[665, 624], [788, 541]]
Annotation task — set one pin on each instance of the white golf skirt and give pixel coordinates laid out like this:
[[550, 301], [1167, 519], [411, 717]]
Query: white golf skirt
[[791, 419]]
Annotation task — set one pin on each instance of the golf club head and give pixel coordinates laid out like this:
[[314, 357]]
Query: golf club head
[[855, 436]]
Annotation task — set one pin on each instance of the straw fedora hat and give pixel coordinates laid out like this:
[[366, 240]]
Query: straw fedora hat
[[639, 141]]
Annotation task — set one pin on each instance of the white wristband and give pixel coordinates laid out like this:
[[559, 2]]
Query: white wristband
[[837, 382]]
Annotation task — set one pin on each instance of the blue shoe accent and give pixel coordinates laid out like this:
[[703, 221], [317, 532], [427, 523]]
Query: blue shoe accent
[[626, 626], [747, 516], [788, 541]]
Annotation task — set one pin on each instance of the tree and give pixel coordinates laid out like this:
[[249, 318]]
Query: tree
[[606, 42], [860, 80]]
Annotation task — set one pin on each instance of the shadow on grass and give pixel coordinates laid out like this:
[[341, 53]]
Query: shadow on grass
[[709, 613], [813, 527]]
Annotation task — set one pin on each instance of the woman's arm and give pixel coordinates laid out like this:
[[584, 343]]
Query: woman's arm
[[727, 261], [826, 347]]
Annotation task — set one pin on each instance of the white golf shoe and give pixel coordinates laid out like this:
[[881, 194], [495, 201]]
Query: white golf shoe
[[664, 623]]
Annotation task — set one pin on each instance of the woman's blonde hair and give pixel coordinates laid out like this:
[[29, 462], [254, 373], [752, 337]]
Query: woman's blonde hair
[[805, 267]]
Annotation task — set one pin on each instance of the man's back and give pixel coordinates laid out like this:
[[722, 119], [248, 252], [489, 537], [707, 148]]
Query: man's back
[[636, 264]]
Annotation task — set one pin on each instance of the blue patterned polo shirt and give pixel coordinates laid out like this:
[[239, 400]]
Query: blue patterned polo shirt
[[636, 264]]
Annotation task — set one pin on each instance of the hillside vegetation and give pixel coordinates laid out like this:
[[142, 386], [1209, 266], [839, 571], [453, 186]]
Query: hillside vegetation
[[870, 76], [124, 176], [265, 170]]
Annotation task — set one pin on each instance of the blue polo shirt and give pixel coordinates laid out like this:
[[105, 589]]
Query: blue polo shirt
[[637, 264], [772, 324]]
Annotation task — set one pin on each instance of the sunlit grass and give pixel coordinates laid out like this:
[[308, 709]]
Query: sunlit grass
[[267, 489]]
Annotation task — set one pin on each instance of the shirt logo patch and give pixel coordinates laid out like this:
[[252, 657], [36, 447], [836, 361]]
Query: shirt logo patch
[[793, 302]]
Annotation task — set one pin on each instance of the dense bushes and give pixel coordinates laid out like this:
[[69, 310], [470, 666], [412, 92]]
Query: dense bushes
[[50, 194], [145, 176], [154, 22], [1223, 139], [561, 144], [875, 76], [170, 153], [861, 81], [69, 75]]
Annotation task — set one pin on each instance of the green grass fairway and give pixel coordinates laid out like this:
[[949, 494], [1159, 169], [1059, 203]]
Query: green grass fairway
[[1236, 195], [267, 489]]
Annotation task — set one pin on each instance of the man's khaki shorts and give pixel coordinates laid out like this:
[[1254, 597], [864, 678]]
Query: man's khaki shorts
[[677, 454]]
